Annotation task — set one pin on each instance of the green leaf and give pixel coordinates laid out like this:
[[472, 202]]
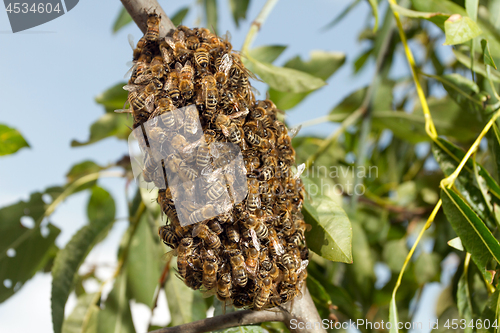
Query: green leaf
[[268, 53], [116, 316], [487, 58], [331, 232], [490, 312], [113, 98], [436, 18], [82, 169], [456, 243], [363, 260], [476, 237], [427, 267], [108, 125], [122, 20], [479, 66], [101, 213], [239, 9], [186, 305], [179, 16], [77, 321], [282, 78], [26, 245], [10, 140], [395, 252], [460, 29], [318, 293], [471, 7], [211, 14], [374, 5], [464, 302], [322, 64], [343, 14], [143, 266]]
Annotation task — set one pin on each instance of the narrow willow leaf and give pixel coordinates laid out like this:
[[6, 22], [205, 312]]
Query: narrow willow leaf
[[471, 7], [490, 313], [487, 58], [464, 303], [436, 18], [331, 232], [479, 66], [343, 14], [76, 322], [83, 169], [374, 5], [239, 9], [393, 315], [25, 244], [10, 140], [268, 53], [108, 125], [476, 237], [113, 98], [101, 213], [122, 20], [179, 16], [481, 182], [456, 243], [283, 79], [116, 315], [427, 267], [460, 29], [211, 16], [318, 293]]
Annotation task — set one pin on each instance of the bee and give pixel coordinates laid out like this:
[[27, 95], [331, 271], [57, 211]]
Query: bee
[[186, 86], [204, 232], [203, 156], [172, 85], [233, 234], [223, 65], [167, 206], [238, 267], [168, 235], [215, 226], [289, 292], [210, 267], [184, 148], [216, 190], [202, 58], [144, 99], [156, 70], [150, 166], [265, 173], [276, 248], [192, 121], [210, 93], [153, 31], [178, 45], [253, 197], [192, 43], [222, 161], [224, 287], [258, 225], [252, 261], [263, 292], [165, 110], [156, 138], [185, 250], [230, 129], [138, 50], [288, 262], [166, 54]]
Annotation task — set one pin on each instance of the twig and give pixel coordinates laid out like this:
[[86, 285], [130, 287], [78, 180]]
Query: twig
[[257, 24], [139, 10]]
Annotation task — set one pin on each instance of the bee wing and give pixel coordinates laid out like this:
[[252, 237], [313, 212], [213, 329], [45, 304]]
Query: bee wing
[[226, 64], [170, 41], [131, 41], [165, 55], [132, 65], [255, 240], [239, 114], [278, 247], [149, 103], [300, 170], [178, 66], [131, 87], [294, 131], [143, 78], [303, 266], [123, 110], [168, 256]]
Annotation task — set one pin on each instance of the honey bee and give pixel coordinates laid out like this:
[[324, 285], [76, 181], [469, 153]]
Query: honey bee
[[224, 287], [202, 231], [253, 197], [150, 166], [178, 45], [233, 234], [165, 110], [210, 93], [167, 206], [187, 173], [139, 48], [168, 235], [156, 70], [172, 85], [186, 86], [230, 129], [165, 52], [192, 121], [216, 190], [215, 226], [223, 65], [289, 292], [202, 58], [192, 43], [252, 261], [276, 249], [257, 224], [144, 99], [263, 292], [210, 267], [203, 156], [185, 250], [153, 31], [251, 163], [265, 173], [238, 267]]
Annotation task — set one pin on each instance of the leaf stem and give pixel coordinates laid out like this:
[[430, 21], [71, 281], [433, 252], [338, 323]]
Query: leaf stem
[[257, 24]]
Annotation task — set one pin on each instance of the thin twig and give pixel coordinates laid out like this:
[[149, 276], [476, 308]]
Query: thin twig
[[139, 10]]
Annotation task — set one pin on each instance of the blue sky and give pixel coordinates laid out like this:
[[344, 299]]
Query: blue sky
[[51, 74]]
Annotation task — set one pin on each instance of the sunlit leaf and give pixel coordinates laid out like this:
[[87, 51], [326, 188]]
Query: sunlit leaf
[[239, 9], [110, 124], [101, 213], [113, 98], [471, 7], [122, 20], [487, 58], [331, 232], [464, 303], [10, 140], [267, 53], [77, 321], [179, 16], [456, 243], [479, 66], [318, 292], [436, 18], [460, 29]]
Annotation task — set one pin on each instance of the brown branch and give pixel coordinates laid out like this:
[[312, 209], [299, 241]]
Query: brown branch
[[139, 10]]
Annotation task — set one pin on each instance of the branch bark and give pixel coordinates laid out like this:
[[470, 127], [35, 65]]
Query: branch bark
[[139, 10]]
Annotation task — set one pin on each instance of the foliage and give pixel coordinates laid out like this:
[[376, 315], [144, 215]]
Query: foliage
[[410, 150]]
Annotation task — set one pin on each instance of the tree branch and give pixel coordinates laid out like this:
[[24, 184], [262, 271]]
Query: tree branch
[[139, 10]]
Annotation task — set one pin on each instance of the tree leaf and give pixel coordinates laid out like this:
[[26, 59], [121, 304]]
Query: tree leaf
[[487, 58], [82, 169], [460, 29], [185, 304], [456, 243], [179, 16], [10, 140], [318, 292], [464, 303], [374, 5], [267, 53], [427, 267], [322, 64], [490, 312], [77, 321], [122, 20], [436, 18], [394, 254], [25, 243], [343, 14], [281, 78], [471, 7], [476, 237], [362, 269], [143, 266], [101, 213], [331, 232], [479, 66], [239, 9], [211, 14], [116, 316], [108, 125], [113, 98]]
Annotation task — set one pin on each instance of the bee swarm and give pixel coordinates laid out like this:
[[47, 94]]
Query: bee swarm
[[254, 255]]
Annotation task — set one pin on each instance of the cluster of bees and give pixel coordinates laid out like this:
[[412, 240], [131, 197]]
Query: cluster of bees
[[194, 93]]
